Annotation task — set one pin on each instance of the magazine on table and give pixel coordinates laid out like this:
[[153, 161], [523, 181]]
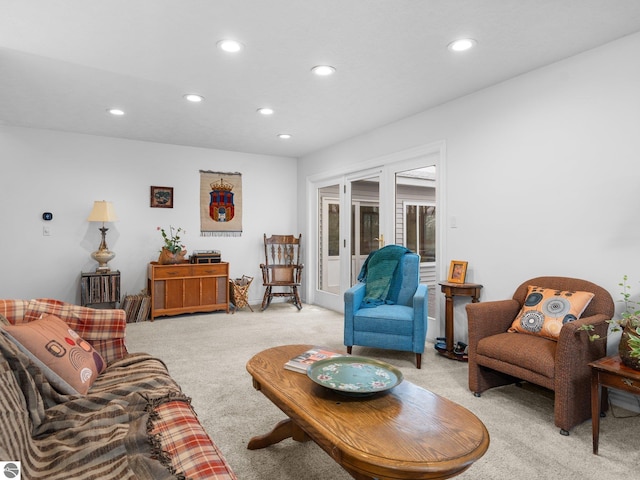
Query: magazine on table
[[301, 362]]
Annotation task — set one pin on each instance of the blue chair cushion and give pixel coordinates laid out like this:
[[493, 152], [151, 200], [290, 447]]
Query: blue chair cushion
[[392, 319]]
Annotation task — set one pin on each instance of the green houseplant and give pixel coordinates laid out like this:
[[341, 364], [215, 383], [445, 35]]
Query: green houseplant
[[629, 324], [173, 250]]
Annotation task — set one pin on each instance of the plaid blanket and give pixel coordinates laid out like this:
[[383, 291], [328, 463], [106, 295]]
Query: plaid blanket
[[134, 423]]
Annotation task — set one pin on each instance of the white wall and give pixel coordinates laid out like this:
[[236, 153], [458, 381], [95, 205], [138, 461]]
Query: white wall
[[64, 173], [543, 172]]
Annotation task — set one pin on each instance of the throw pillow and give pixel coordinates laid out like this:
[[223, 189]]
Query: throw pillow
[[546, 310], [69, 362]]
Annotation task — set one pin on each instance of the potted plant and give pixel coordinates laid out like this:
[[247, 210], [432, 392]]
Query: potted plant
[[629, 324], [172, 251]]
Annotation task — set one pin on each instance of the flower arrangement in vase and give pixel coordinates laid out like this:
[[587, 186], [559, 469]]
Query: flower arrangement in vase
[[172, 251]]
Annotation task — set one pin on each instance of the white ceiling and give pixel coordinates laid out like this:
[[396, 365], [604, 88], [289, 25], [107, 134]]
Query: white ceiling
[[64, 62]]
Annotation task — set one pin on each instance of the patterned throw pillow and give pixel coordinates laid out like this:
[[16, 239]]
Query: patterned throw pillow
[[546, 310], [70, 363]]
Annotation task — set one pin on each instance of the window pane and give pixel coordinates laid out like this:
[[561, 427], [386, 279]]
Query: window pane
[[427, 233], [334, 229], [411, 222], [353, 229], [368, 229]]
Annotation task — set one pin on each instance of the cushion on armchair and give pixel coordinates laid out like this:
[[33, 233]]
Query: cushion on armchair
[[546, 310]]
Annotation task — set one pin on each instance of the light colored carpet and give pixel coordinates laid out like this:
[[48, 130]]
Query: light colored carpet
[[207, 355]]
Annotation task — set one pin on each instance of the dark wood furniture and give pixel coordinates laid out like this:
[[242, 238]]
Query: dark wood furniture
[[609, 372], [100, 289], [281, 268], [188, 288], [450, 291], [405, 433], [498, 357]]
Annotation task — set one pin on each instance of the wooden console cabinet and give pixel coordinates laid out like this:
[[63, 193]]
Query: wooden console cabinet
[[188, 288]]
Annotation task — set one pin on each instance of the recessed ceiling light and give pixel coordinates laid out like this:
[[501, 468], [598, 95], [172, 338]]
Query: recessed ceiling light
[[323, 70], [265, 111], [284, 136], [115, 111], [231, 46], [462, 44], [193, 97]]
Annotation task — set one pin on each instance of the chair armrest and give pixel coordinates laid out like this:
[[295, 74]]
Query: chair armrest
[[490, 318], [574, 352], [352, 300], [13, 310], [420, 299], [420, 315], [574, 344]]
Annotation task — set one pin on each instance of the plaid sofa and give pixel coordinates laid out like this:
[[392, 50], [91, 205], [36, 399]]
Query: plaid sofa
[[134, 423]]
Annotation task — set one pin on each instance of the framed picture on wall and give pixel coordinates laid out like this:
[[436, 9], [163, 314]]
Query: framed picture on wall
[[161, 197], [457, 271]]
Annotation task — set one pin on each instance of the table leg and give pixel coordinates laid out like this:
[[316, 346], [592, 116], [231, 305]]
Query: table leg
[[448, 327], [284, 429], [595, 410]]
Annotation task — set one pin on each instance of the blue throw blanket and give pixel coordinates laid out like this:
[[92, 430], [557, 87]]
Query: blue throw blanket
[[379, 272]]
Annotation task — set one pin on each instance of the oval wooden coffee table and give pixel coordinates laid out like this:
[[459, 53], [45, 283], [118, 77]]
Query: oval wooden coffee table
[[405, 433]]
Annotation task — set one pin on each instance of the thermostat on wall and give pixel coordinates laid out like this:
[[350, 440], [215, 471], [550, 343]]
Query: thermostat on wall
[[47, 216]]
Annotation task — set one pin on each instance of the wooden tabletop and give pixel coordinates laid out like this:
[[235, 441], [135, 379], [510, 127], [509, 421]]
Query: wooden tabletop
[[614, 364], [404, 433]]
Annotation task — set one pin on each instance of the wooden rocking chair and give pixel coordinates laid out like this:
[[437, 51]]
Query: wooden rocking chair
[[281, 268]]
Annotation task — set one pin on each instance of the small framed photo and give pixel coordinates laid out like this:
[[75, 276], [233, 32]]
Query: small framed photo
[[457, 271], [161, 197]]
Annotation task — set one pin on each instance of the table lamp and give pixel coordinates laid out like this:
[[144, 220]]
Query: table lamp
[[102, 212]]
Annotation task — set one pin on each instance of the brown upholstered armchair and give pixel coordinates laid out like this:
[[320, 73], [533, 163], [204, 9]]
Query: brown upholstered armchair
[[498, 357]]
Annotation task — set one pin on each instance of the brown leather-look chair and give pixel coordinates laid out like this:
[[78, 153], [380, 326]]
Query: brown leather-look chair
[[498, 357], [281, 268]]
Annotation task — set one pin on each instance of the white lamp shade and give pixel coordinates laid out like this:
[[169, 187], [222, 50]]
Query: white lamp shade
[[102, 212]]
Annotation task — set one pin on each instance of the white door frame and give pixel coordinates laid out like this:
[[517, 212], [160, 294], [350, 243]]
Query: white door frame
[[387, 165]]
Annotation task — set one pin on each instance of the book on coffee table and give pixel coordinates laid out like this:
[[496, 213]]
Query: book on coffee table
[[301, 362]]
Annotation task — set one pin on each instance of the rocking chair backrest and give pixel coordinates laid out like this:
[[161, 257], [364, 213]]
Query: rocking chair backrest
[[282, 250]]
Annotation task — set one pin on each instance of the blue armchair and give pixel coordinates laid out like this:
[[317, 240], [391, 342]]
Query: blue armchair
[[388, 309]]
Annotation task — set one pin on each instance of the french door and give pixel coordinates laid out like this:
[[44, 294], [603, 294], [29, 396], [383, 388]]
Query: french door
[[359, 212]]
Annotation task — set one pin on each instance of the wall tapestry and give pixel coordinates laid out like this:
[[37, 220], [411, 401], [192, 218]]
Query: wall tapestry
[[220, 204]]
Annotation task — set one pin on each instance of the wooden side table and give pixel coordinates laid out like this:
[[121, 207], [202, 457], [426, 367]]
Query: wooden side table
[[451, 290], [609, 372]]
